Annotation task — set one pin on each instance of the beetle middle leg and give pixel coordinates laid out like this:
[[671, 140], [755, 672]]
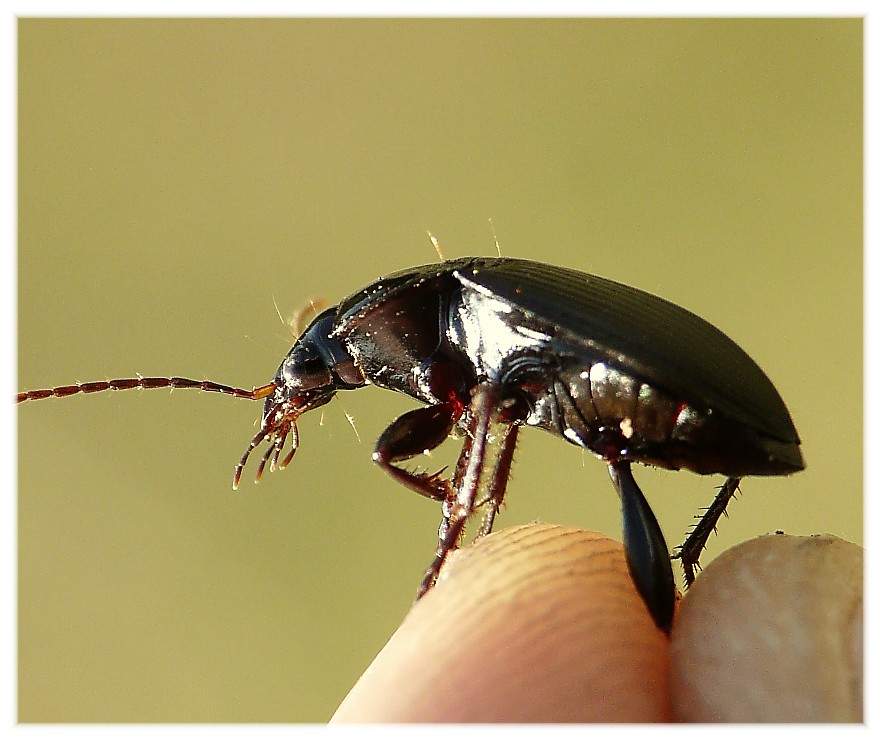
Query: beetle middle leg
[[690, 551], [469, 472], [500, 476]]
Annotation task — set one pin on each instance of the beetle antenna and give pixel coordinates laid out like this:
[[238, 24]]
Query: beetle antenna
[[124, 384]]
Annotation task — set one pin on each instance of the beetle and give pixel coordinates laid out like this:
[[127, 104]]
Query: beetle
[[489, 345]]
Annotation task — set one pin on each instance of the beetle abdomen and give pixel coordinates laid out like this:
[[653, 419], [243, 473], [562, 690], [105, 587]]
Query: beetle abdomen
[[620, 417]]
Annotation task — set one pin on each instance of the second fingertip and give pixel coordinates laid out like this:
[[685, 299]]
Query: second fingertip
[[772, 632]]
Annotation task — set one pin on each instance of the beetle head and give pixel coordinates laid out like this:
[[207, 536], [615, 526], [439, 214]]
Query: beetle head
[[315, 368]]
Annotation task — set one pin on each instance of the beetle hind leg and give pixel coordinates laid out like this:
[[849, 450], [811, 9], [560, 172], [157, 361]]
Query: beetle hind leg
[[691, 549], [647, 556]]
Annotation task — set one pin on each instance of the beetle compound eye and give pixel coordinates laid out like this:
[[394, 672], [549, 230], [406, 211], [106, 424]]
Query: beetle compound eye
[[305, 369]]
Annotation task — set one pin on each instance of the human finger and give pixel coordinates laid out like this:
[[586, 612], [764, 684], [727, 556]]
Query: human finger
[[772, 632], [538, 623]]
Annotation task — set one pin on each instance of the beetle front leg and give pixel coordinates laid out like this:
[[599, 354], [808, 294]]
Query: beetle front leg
[[414, 433], [646, 553]]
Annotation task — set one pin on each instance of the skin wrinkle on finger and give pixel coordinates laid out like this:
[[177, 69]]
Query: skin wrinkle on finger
[[511, 562], [514, 552], [531, 625], [512, 559]]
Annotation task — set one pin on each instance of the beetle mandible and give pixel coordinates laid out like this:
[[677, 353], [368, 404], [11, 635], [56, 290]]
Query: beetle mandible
[[492, 344]]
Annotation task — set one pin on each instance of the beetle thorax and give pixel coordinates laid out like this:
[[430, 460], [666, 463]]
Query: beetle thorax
[[487, 330]]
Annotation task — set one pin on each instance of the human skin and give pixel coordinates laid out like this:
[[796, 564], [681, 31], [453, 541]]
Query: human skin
[[541, 623]]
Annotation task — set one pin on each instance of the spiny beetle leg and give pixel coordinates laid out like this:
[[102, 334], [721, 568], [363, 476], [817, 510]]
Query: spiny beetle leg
[[690, 551], [469, 472], [415, 433], [646, 553], [500, 476]]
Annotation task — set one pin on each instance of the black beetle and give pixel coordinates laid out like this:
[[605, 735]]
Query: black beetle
[[492, 344]]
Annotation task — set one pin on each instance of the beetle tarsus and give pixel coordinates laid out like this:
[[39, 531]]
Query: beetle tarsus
[[690, 550]]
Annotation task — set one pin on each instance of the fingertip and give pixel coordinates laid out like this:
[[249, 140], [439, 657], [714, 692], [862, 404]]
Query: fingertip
[[539, 623], [771, 631]]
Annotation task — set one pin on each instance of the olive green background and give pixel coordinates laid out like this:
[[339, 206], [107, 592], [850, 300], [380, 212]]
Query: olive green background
[[178, 177]]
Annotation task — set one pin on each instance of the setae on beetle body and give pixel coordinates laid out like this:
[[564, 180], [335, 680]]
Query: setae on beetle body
[[493, 344]]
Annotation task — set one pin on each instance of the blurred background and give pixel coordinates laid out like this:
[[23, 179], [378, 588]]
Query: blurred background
[[179, 179]]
